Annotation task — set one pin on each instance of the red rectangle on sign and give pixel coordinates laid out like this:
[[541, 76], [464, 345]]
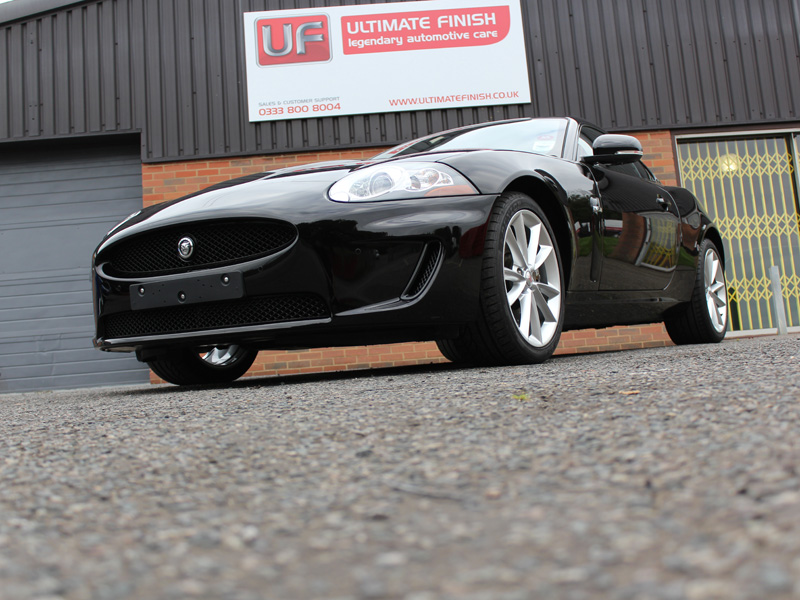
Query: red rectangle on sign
[[292, 40], [425, 30]]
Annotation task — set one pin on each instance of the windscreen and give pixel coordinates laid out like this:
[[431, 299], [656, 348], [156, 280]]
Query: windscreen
[[540, 136]]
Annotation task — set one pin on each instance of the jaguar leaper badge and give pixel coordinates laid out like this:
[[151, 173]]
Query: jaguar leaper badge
[[186, 248]]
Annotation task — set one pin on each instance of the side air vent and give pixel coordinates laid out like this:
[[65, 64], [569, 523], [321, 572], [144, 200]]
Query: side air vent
[[427, 267]]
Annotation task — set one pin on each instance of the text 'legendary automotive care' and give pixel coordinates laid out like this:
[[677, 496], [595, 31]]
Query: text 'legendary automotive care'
[[345, 60]]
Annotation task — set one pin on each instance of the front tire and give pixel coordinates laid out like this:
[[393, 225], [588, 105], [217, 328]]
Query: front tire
[[189, 366], [704, 320], [521, 299]]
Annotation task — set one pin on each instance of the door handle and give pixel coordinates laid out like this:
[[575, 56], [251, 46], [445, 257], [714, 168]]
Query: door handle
[[662, 203]]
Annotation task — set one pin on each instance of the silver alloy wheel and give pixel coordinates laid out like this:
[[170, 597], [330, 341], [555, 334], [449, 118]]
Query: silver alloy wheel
[[716, 293], [220, 356], [532, 278]]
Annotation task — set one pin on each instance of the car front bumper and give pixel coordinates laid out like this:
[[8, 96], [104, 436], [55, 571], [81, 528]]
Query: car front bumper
[[377, 272]]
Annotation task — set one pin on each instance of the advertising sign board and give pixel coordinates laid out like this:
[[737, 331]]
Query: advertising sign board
[[371, 58]]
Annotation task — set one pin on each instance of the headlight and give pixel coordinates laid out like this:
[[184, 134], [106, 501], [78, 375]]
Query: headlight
[[399, 181]]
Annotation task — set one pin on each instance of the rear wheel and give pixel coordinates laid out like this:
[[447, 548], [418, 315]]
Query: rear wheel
[[521, 299], [219, 364], [704, 319]]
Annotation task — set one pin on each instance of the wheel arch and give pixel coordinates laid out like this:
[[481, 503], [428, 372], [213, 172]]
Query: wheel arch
[[713, 235], [548, 201]]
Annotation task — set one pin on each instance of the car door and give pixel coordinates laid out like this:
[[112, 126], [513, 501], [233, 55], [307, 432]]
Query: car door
[[640, 225]]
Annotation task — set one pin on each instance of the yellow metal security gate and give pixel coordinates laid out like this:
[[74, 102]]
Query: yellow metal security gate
[[749, 187]]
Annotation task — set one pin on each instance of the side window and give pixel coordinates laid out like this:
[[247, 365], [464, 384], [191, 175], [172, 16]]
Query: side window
[[584, 148], [646, 173], [588, 135], [629, 169]]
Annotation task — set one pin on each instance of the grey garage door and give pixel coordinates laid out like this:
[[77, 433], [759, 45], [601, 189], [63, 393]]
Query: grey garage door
[[56, 203]]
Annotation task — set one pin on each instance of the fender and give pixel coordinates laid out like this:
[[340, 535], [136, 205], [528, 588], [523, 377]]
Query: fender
[[571, 215]]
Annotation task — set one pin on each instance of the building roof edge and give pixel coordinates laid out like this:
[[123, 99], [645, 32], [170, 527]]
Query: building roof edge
[[24, 9]]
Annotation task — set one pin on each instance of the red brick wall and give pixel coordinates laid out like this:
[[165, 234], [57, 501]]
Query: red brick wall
[[659, 154], [345, 359], [166, 181]]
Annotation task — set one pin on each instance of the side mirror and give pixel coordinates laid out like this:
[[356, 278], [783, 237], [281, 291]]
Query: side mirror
[[612, 149]]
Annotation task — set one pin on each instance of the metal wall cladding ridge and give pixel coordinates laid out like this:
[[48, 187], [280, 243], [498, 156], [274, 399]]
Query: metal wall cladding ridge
[[173, 70]]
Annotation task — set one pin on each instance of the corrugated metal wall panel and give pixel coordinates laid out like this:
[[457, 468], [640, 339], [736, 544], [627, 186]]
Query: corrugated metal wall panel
[[16, 68], [173, 69], [61, 111], [5, 107], [642, 64]]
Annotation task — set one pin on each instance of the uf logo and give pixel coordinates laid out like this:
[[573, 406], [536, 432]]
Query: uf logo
[[291, 40]]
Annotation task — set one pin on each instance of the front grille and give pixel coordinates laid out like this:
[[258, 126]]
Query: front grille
[[426, 267], [259, 310], [216, 243]]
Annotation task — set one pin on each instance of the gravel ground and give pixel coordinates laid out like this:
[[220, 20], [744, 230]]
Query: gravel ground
[[662, 473]]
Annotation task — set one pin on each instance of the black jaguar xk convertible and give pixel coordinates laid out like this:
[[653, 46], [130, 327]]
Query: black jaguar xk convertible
[[490, 239]]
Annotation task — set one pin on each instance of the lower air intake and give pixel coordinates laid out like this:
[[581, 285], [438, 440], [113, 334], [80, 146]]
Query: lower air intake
[[260, 310]]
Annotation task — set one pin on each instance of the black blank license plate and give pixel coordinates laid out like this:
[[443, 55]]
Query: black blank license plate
[[188, 290]]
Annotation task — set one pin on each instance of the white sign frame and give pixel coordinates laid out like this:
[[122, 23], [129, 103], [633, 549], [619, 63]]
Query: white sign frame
[[378, 58]]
